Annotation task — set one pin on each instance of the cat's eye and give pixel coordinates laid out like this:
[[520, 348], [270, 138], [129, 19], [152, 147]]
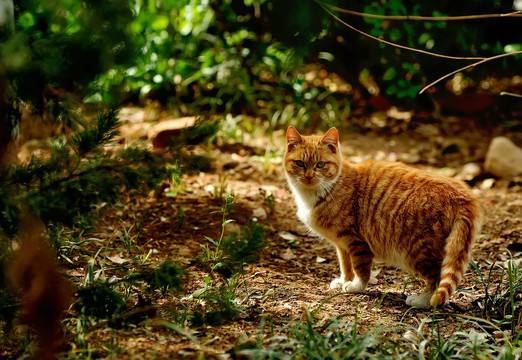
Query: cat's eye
[[320, 164], [299, 163]]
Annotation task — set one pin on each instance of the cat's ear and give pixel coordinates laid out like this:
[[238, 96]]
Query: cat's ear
[[292, 137], [331, 138]]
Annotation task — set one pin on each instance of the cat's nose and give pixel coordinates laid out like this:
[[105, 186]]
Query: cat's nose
[[309, 176]]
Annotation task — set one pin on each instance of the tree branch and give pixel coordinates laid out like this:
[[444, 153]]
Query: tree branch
[[505, 93], [394, 44], [421, 18], [468, 67]]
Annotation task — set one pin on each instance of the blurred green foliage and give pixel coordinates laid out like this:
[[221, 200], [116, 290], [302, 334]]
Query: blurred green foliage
[[402, 74], [202, 53], [237, 55], [63, 45]]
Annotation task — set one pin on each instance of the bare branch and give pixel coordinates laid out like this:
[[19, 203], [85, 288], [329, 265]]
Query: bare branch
[[468, 67], [423, 18], [505, 93], [394, 44]]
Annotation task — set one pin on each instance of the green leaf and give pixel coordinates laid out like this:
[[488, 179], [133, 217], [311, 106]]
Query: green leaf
[[423, 39], [509, 48], [160, 22], [95, 98], [26, 20], [390, 74], [210, 239]]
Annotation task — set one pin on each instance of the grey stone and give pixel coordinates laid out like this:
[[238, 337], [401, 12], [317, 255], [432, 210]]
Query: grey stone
[[504, 158]]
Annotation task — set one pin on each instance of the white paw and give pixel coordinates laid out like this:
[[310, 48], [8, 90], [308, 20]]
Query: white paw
[[421, 301], [337, 283], [355, 286]]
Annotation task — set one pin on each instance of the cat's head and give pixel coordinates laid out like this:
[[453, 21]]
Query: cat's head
[[312, 162]]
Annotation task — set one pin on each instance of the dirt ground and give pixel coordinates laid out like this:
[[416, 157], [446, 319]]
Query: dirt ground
[[293, 274], [295, 270]]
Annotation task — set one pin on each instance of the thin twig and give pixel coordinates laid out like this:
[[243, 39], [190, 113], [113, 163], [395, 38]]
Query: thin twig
[[423, 18], [393, 44], [469, 66], [510, 94]]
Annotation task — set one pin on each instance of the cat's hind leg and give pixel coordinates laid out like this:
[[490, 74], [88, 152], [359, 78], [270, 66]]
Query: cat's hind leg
[[422, 301]]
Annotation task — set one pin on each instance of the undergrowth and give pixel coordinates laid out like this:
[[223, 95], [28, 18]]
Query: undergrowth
[[126, 295], [502, 302], [337, 338]]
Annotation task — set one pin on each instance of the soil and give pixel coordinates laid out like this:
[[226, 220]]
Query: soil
[[294, 271]]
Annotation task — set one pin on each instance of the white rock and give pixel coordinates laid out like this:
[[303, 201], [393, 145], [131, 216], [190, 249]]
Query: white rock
[[503, 159], [487, 184], [259, 213], [469, 171]]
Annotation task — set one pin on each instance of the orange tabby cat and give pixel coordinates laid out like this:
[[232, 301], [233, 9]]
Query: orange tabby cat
[[388, 212]]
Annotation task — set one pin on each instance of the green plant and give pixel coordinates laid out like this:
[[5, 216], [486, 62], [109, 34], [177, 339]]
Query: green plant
[[230, 253], [240, 248], [99, 300], [126, 238], [221, 188], [333, 338], [407, 280], [503, 305], [220, 303], [226, 258], [175, 174], [181, 215], [81, 171], [166, 277], [212, 255], [269, 199]]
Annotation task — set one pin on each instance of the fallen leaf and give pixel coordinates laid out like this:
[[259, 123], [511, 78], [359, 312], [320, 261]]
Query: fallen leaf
[[320, 260], [117, 259], [288, 236], [288, 254]]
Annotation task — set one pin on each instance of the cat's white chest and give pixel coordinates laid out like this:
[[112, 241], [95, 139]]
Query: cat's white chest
[[305, 201], [304, 210]]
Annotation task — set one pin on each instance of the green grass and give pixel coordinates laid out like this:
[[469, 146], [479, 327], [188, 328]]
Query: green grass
[[336, 338], [502, 303]]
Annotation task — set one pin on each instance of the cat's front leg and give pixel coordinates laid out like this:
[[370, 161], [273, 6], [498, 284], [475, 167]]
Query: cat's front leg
[[361, 260], [345, 265]]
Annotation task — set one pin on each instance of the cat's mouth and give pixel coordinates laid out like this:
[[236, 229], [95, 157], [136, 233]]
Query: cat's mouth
[[309, 182]]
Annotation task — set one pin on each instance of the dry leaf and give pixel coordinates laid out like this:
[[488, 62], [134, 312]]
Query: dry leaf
[[288, 254], [320, 260], [288, 236], [117, 259]]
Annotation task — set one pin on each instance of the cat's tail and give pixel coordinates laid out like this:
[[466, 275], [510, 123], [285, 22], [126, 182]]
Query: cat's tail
[[457, 252]]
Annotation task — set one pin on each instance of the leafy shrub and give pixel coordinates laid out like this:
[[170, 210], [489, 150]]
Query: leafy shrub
[[167, 277], [99, 300]]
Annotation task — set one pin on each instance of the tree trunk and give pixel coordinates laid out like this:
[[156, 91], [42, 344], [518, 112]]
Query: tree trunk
[[6, 29]]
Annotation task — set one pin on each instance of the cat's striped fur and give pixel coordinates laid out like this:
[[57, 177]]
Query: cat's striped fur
[[381, 211]]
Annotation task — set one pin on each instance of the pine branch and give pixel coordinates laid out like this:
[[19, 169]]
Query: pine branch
[[105, 130]]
